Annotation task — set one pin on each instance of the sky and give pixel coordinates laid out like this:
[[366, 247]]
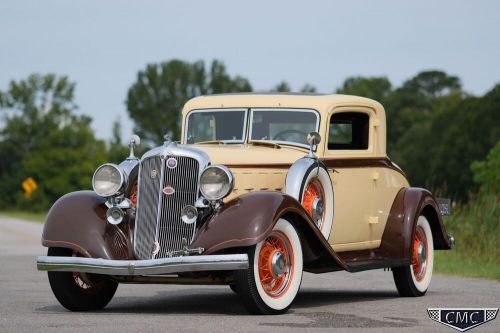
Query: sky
[[101, 45]]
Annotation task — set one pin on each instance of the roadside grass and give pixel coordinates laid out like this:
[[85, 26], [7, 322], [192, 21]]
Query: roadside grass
[[35, 217], [476, 228]]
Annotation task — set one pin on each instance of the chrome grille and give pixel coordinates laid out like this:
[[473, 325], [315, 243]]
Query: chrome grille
[[159, 215]]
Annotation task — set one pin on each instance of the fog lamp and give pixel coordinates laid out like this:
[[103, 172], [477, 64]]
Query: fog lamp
[[189, 214], [115, 215]]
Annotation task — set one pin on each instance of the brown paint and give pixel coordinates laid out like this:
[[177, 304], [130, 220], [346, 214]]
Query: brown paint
[[78, 221], [362, 162], [248, 219]]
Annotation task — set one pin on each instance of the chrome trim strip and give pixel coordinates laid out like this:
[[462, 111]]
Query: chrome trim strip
[[144, 267]]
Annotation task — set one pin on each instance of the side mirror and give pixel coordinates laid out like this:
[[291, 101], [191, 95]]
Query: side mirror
[[313, 138], [135, 140]]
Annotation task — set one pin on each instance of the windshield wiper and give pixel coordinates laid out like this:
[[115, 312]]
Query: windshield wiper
[[210, 142], [264, 144]]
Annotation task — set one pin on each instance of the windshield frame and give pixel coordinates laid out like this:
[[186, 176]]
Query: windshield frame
[[245, 123], [289, 143], [248, 120]]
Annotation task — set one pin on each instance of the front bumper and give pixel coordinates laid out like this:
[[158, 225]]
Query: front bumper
[[144, 267]]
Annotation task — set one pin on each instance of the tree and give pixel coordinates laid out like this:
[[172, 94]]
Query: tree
[[487, 172], [155, 100], [308, 88], [433, 83], [282, 87], [117, 152], [377, 88], [44, 139]]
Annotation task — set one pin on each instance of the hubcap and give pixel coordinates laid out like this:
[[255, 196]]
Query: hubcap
[[278, 264], [313, 201]]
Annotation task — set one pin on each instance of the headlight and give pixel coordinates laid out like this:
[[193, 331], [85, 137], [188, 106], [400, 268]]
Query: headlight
[[108, 180], [216, 182]]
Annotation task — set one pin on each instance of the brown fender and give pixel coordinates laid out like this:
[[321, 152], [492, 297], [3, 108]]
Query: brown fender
[[78, 221], [248, 219], [419, 201]]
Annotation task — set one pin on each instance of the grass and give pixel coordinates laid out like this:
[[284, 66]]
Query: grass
[[35, 217], [476, 228]]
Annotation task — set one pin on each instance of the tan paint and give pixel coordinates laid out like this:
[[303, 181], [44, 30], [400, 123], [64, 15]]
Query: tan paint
[[363, 196]]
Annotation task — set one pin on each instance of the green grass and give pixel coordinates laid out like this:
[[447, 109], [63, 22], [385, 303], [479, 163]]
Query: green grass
[[35, 217], [476, 228]]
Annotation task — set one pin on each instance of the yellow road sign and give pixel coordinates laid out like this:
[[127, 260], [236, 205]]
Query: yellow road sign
[[29, 186]]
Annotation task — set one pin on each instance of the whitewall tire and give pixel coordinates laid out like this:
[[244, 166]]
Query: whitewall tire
[[414, 280], [273, 278]]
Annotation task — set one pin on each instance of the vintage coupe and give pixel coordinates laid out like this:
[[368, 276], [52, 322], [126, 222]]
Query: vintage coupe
[[251, 197]]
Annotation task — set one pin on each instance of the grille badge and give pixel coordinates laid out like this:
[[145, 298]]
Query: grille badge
[[153, 173], [172, 163], [169, 190]]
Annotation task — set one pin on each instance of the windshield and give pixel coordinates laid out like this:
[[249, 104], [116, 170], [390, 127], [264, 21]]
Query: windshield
[[216, 125], [282, 126]]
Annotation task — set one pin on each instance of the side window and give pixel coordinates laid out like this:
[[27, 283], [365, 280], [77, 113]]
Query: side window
[[348, 131]]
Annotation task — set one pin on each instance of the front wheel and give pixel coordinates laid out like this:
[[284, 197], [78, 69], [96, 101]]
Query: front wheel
[[273, 278], [80, 291], [414, 280]]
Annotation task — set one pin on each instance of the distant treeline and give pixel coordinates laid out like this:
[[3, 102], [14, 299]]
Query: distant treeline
[[435, 129]]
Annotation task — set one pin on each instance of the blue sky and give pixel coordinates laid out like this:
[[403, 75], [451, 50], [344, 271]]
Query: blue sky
[[101, 45]]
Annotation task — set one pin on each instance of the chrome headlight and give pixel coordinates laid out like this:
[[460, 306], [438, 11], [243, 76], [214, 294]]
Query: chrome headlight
[[216, 182], [108, 180]]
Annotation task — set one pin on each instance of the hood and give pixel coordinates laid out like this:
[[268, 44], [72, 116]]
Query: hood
[[248, 154]]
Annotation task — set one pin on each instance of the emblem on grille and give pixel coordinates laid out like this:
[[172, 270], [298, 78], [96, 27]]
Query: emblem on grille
[[169, 190], [153, 173], [172, 163]]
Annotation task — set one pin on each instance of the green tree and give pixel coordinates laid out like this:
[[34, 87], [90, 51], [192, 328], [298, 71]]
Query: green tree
[[282, 87], [308, 88], [117, 151], [487, 172], [377, 88], [44, 139], [155, 100]]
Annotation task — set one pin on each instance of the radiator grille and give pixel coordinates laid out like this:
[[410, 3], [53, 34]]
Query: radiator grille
[[159, 215]]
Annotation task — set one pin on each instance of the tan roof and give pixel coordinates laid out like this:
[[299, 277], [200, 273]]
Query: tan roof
[[321, 103]]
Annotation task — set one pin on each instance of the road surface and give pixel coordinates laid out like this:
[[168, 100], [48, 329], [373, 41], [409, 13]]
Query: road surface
[[333, 302]]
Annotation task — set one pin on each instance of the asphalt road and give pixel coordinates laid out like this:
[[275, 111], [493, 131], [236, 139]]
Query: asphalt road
[[340, 302]]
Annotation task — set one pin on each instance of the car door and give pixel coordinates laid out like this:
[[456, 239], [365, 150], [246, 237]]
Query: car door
[[349, 149]]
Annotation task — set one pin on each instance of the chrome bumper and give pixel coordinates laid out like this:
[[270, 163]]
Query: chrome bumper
[[144, 267]]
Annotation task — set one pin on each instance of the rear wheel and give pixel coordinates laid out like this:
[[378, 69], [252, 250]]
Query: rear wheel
[[80, 291], [414, 280], [273, 278]]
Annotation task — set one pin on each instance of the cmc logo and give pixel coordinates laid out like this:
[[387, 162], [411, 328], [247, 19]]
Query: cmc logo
[[462, 319]]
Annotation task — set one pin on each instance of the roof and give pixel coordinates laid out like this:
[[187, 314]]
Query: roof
[[320, 102]]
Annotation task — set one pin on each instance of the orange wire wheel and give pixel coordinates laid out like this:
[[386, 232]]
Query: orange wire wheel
[[313, 201], [420, 254], [275, 264]]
